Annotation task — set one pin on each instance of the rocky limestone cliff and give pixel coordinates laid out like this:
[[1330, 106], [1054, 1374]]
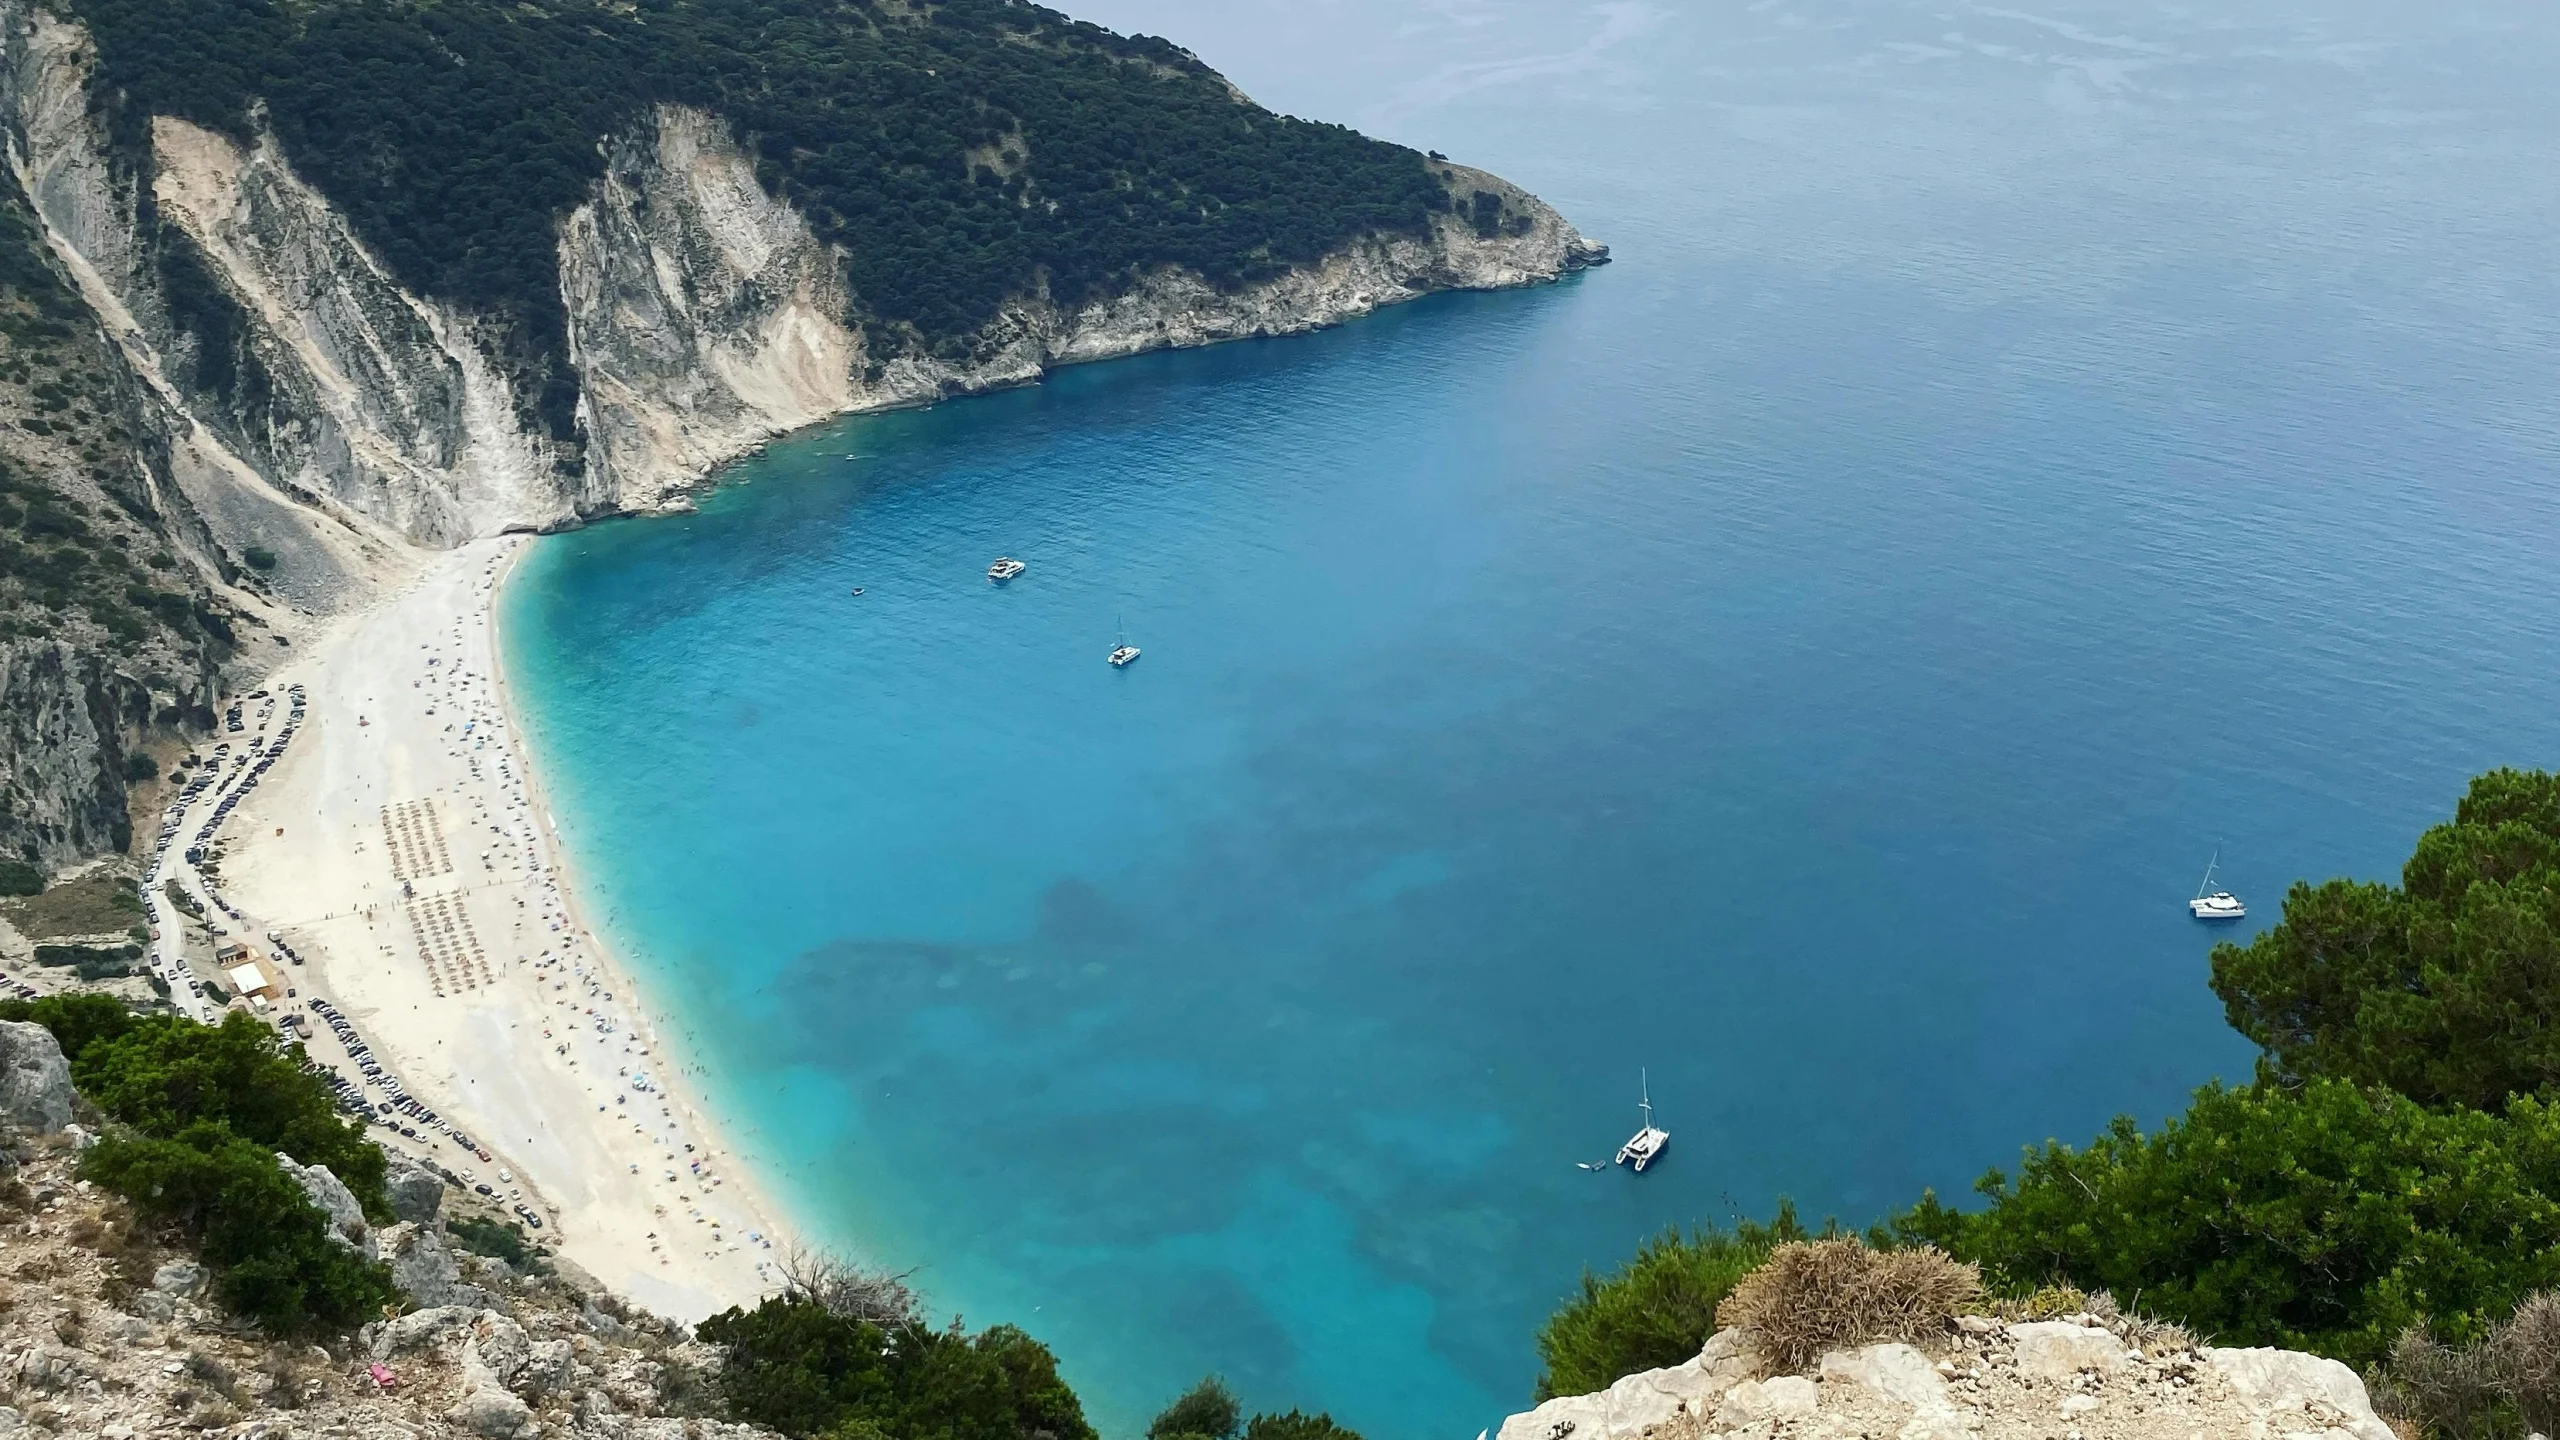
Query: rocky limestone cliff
[[703, 317], [120, 612], [285, 398], [2074, 1378], [107, 1332]]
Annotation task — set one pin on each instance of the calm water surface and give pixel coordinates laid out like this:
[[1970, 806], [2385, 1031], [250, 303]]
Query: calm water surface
[[1812, 659]]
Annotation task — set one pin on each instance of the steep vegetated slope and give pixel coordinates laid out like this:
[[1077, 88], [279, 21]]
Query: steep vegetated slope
[[303, 285], [960, 154], [117, 613]]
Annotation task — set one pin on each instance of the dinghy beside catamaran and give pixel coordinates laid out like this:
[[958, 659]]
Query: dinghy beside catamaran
[[1648, 1142], [2221, 904]]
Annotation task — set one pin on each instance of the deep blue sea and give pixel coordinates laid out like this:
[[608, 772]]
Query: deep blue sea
[[1810, 660]]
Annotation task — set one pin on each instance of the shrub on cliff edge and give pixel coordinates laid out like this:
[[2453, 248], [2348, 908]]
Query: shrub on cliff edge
[[794, 1365], [268, 1246], [1658, 1309], [2330, 1220], [200, 1112], [1206, 1411], [161, 1074], [1812, 1297]]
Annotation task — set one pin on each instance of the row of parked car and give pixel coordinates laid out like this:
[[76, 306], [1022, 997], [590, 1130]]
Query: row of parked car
[[352, 1098], [266, 757]]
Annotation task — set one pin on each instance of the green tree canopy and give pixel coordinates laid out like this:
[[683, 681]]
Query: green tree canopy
[[2328, 1219], [1657, 1309], [957, 155], [2445, 989], [1295, 1426], [163, 1073], [268, 1245], [1206, 1411], [796, 1366]]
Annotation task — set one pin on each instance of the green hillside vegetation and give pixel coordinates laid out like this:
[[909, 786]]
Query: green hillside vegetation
[[2388, 1185], [1210, 1411], [63, 557], [198, 1114], [801, 1368], [1658, 1308], [960, 153], [2444, 988]]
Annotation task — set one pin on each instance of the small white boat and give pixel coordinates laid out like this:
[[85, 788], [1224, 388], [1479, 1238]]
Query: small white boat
[[1647, 1145], [1005, 568], [2218, 904], [1124, 652]]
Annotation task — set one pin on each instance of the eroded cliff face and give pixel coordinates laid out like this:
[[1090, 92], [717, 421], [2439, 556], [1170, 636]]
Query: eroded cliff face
[[255, 446], [388, 405], [285, 397], [703, 317]]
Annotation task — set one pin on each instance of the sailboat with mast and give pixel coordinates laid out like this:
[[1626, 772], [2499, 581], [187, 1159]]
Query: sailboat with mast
[[1648, 1142], [2220, 904], [1124, 652]]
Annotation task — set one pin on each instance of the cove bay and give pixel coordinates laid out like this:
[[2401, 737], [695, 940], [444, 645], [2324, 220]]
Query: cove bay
[[1809, 662]]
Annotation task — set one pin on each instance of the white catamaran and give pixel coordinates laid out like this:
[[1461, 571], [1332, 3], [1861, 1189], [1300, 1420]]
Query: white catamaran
[[1648, 1142], [2220, 904]]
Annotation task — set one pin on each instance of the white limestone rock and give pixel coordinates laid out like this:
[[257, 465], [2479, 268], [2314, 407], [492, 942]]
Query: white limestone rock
[[421, 1329], [548, 1369], [424, 1267], [1754, 1402], [178, 1277], [1896, 1372], [1650, 1398], [2275, 1380], [2055, 1350], [494, 1414]]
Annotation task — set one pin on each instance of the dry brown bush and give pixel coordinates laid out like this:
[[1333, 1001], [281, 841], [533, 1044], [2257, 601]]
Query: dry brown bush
[[2512, 1375], [1820, 1295], [879, 1297]]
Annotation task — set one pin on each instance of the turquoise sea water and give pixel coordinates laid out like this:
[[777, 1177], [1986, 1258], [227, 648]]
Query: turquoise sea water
[[1812, 659]]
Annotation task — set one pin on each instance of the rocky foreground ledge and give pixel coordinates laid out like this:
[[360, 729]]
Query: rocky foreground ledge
[[105, 1334], [2079, 1377], [85, 1350]]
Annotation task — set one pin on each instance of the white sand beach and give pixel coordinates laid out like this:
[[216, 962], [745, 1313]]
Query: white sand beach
[[402, 847]]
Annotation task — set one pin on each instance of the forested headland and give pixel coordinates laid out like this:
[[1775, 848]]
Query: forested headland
[[958, 154]]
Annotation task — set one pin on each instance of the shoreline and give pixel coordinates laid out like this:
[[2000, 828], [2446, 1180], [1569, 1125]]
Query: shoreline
[[757, 1191], [405, 846]]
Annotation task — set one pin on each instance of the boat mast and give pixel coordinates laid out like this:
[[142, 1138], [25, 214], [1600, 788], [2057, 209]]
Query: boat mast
[[2208, 872], [1644, 1087]]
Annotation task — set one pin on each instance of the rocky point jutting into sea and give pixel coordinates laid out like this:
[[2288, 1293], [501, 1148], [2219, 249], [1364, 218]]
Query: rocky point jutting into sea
[[295, 426]]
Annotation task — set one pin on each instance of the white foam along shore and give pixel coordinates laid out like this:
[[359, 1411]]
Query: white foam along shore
[[402, 847]]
